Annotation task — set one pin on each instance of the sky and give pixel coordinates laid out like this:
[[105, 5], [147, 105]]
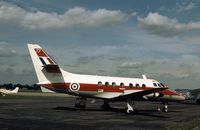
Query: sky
[[159, 38]]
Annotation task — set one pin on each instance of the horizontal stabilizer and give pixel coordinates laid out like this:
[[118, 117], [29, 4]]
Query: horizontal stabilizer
[[51, 68]]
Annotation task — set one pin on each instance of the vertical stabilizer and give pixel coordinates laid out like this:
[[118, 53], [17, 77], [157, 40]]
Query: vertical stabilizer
[[46, 68], [15, 90]]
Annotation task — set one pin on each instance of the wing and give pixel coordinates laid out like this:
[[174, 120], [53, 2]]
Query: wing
[[138, 94]]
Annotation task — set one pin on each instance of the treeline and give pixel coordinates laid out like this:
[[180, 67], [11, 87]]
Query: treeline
[[21, 86], [193, 92]]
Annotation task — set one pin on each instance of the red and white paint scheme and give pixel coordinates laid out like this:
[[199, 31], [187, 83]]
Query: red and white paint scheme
[[110, 89]]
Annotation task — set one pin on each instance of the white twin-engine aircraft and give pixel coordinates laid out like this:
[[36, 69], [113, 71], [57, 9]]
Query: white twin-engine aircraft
[[110, 89], [4, 91]]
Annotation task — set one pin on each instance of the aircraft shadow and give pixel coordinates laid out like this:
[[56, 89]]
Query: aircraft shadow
[[150, 113]]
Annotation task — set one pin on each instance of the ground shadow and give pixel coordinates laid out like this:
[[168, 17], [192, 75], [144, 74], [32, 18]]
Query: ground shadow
[[149, 113]]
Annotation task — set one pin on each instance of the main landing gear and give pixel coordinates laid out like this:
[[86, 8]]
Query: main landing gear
[[80, 103], [130, 105], [129, 108], [164, 107], [105, 105]]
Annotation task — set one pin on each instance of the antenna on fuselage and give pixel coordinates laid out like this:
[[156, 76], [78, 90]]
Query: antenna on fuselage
[[144, 76]]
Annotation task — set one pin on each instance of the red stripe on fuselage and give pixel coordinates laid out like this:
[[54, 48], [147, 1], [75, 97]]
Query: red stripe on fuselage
[[169, 92], [93, 87]]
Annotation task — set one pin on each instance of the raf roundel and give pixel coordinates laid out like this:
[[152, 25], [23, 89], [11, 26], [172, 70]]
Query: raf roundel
[[74, 87]]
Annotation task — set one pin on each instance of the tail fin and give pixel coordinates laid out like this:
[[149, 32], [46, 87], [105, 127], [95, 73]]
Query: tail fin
[[46, 68], [15, 90]]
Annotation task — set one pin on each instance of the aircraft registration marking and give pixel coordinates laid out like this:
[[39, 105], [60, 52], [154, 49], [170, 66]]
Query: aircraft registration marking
[[100, 90]]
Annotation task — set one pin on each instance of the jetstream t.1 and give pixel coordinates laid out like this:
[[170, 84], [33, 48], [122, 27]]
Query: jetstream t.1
[[110, 89]]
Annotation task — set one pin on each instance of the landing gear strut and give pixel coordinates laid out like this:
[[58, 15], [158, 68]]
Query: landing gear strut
[[80, 102], [105, 105], [164, 107], [130, 105]]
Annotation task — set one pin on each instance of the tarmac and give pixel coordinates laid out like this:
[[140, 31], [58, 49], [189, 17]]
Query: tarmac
[[33, 111]]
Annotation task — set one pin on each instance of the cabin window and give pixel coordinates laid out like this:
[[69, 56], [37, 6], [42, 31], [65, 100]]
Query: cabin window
[[143, 85], [107, 84], [137, 85], [113, 84], [154, 84], [99, 83], [130, 85], [162, 85], [122, 84]]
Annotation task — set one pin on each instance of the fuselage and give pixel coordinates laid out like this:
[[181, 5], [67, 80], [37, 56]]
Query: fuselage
[[52, 77], [107, 87]]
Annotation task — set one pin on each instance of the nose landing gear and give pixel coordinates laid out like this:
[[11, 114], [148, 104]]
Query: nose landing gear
[[163, 107]]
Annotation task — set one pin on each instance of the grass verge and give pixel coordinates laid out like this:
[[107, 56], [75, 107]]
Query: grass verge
[[190, 125]]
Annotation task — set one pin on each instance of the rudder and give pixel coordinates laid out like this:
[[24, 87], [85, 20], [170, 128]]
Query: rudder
[[44, 65]]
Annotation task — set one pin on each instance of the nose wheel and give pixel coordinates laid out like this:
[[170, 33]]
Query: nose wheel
[[163, 107]]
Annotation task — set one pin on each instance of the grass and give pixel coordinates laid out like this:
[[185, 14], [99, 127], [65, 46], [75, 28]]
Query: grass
[[190, 125]]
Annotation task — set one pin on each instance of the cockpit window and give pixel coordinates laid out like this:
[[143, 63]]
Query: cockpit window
[[159, 85], [154, 84], [162, 85]]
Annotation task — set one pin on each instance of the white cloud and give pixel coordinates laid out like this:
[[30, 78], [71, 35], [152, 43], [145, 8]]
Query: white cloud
[[133, 14], [6, 50], [190, 58], [185, 7], [74, 17], [128, 65], [165, 26]]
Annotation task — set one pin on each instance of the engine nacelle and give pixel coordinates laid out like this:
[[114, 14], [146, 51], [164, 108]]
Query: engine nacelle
[[157, 94]]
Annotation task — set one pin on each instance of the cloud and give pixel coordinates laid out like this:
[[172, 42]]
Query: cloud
[[133, 14], [88, 59], [130, 65], [165, 26], [185, 7], [6, 51], [73, 17]]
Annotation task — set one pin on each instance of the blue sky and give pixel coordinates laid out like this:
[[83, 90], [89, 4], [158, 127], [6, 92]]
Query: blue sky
[[127, 38]]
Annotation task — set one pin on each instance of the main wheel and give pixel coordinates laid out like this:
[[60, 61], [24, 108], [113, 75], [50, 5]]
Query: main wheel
[[129, 111], [198, 101], [81, 106], [106, 106]]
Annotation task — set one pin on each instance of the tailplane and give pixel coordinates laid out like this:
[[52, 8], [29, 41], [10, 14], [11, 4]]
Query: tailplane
[[15, 90]]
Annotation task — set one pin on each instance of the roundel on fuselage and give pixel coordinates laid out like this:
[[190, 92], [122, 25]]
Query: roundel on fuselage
[[74, 87]]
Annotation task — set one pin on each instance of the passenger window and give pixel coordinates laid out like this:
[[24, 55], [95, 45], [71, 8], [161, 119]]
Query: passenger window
[[99, 83], [107, 84], [137, 85], [143, 85], [122, 84], [154, 84], [113, 84], [130, 85]]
